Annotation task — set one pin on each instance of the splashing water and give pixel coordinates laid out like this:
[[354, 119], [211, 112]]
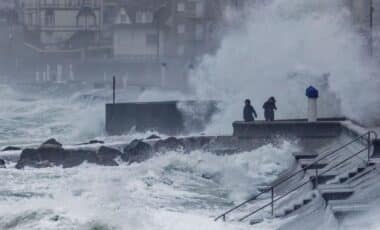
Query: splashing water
[[30, 118], [279, 40], [166, 192]]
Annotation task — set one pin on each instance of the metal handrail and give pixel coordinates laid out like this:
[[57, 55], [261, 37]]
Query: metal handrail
[[299, 186], [271, 189]]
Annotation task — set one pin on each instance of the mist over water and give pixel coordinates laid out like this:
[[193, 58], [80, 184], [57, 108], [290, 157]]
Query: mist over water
[[30, 118], [279, 48]]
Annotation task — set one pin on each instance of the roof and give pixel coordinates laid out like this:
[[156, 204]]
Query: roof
[[156, 9]]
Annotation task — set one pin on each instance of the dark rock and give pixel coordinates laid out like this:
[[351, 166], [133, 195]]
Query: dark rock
[[153, 137], [77, 157], [95, 142], [10, 148], [207, 176], [33, 157], [169, 144], [51, 144], [92, 142], [194, 143], [2, 163], [28, 157], [55, 218], [48, 157], [137, 151], [43, 164], [106, 156]]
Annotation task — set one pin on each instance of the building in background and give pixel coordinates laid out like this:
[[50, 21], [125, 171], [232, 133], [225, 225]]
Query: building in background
[[155, 41], [70, 26], [136, 31]]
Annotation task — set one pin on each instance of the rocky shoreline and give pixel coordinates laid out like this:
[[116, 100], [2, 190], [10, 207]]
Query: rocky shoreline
[[51, 153]]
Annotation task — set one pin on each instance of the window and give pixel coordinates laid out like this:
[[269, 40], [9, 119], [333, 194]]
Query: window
[[49, 18], [148, 17], [87, 3], [181, 50], [181, 7], [30, 19], [196, 9], [151, 39], [139, 17], [144, 17], [199, 9], [199, 32], [123, 18], [181, 29]]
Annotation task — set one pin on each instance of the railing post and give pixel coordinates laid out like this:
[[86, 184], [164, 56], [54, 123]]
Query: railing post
[[316, 178], [369, 146], [113, 89], [272, 203], [224, 218]]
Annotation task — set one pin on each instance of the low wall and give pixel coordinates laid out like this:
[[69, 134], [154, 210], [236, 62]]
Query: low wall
[[291, 129], [376, 148], [167, 117]]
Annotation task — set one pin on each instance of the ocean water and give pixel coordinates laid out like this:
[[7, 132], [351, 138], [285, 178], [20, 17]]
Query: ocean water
[[29, 117], [169, 191], [279, 48]]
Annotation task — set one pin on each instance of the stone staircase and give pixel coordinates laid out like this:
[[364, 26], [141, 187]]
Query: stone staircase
[[339, 179], [296, 205], [330, 186], [327, 180]]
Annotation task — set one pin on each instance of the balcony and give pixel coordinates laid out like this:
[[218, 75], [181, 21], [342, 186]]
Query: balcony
[[70, 28], [195, 14], [94, 4], [55, 28]]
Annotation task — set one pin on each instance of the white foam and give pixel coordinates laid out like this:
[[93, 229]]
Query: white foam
[[166, 192]]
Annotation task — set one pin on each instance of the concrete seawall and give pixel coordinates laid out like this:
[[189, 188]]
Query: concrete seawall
[[298, 129], [168, 117]]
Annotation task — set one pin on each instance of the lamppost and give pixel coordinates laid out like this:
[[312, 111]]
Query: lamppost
[[371, 11]]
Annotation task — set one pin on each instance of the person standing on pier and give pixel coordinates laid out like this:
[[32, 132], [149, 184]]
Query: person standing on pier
[[249, 111], [269, 108]]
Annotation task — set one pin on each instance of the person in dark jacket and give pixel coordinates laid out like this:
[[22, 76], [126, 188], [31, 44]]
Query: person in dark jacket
[[269, 108], [248, 111]]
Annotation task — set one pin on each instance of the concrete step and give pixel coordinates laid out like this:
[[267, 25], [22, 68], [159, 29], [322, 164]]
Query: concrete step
[[256, 221], [322, 179], [302, 155], [295, 207], [309, 163], [346, 176], [335, 191], [374, 160], [361, 169], [298, 204], [343, 208], [264, 188]]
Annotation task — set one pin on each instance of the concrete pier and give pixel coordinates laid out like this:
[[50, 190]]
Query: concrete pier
[[166, 117], [287, 129]]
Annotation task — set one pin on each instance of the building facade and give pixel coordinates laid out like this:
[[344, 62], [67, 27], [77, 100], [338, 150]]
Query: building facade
[[61, 25], [138, 38]]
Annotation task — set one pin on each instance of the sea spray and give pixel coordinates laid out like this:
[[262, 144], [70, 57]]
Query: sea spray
[[278, 39]]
